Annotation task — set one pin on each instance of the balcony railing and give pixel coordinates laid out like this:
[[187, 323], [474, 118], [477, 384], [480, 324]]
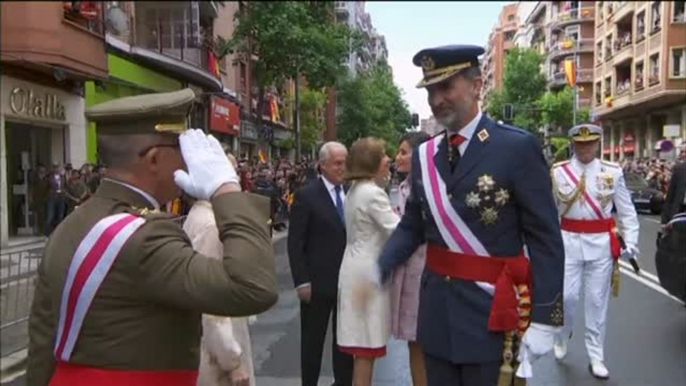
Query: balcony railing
[[86, 14], [623, 87], [575, 15], [559, 78], [622, 42], [187, 47], [565, 47]]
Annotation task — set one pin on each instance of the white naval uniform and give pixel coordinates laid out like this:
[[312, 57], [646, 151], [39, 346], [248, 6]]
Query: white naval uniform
[[587, 255]]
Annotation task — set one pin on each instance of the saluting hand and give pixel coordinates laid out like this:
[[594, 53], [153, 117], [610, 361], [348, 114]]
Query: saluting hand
[[208, 167]]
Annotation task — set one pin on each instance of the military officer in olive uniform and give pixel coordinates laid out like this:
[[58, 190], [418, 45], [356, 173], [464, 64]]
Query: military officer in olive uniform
[[120, 291], [481, 200]]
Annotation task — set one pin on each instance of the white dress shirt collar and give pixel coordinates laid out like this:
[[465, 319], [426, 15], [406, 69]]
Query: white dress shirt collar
[[582, 166], [146, 195], [467, 132], [331, 188]]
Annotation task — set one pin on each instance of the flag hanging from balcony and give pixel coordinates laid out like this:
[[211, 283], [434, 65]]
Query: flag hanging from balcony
[[570, 71], [212, 63], [274, 108], [263, 156]]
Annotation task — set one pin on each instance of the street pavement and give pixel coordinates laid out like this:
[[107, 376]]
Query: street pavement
[[645, 344]]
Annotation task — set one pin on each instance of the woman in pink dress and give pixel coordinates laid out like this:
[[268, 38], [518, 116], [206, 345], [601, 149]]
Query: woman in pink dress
[[407, 278]]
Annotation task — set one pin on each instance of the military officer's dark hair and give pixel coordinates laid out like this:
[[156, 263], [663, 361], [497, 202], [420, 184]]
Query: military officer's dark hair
[[471, 73], [122, 150]]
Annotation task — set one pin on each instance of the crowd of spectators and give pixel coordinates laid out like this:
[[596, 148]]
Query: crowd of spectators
[[656, 172]]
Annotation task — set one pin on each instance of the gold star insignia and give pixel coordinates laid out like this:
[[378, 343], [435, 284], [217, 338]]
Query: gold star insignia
[[501, 197], [473, 200], [486, 183], [489, 216]]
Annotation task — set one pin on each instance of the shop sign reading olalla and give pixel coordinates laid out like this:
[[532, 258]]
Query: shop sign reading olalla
[[31, 104]]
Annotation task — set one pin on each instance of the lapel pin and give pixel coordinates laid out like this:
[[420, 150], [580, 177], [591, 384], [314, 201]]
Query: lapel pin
[[483, 135]]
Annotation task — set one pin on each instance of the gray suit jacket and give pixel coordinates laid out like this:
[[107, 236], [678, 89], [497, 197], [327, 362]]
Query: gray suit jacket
[[675, 194]]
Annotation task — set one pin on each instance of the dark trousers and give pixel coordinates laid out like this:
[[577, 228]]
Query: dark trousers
[[55, 208], [442, 373], [314, 321]]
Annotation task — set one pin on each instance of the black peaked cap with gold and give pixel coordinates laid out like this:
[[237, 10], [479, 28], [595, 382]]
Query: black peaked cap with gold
[[143, 114], [440, 63], [585, 133]]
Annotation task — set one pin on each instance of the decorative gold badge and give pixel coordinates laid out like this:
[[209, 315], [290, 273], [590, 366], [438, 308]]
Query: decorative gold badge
[[473, 200], [489, 216], [427, 63], [483, 135], [486, 183], [501, 197], [584, 132], [146, 211]]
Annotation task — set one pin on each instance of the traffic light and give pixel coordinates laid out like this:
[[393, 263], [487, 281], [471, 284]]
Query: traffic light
[[415, 120], [508, 111]]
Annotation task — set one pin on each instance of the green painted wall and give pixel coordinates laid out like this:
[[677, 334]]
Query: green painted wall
[[126, 78]]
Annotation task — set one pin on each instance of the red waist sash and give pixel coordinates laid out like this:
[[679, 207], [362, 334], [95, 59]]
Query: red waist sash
[[68, 374], [504, 272], [595, 226]]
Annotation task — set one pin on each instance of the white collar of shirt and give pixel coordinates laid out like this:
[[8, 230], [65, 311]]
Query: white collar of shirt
[[467, 132], [146, 195], [331, 188]]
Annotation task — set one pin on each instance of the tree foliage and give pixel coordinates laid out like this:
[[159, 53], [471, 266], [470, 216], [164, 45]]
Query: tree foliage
[[372, 105], [312, 105]]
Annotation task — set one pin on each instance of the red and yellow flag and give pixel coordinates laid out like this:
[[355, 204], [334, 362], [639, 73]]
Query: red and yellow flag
[[570, 71], [263, 156]]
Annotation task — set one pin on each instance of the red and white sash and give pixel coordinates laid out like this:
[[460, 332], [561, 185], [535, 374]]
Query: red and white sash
[[595, 206], [457, 236], [89, 266]]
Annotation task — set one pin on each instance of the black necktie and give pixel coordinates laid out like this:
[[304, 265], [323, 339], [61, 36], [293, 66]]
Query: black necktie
[[454, 149]]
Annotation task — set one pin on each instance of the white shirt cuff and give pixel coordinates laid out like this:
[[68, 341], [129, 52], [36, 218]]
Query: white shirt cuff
[[302, 286]]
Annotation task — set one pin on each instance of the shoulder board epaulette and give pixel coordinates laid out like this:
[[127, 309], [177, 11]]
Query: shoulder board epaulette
[[512, 128], [557, 164], [153, 214], [612, 164]]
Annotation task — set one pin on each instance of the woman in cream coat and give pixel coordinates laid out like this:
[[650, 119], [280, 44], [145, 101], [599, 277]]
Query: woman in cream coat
[[225, 356], [364, 308]]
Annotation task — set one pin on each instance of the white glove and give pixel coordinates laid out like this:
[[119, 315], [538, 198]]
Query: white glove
[[630, 252], [208, 167], [536, 342]]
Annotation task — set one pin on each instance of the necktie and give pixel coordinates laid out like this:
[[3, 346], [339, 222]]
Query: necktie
[[339, 203], [455, 141]]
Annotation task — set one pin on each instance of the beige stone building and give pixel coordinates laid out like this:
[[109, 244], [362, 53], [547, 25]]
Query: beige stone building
[[640, 77]]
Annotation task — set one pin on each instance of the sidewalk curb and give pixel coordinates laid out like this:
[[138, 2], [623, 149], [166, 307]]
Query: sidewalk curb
[[12, 366]]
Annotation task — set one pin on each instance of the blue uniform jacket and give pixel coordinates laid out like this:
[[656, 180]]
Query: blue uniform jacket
[[453, 314]]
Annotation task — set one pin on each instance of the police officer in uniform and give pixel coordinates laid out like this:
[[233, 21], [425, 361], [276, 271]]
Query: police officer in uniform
[[120, 291], [481, 199], [586, 189]]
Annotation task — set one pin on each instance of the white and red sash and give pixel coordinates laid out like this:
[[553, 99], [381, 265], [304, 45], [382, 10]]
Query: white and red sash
[[456, 235], [89, 267], [595, 206]]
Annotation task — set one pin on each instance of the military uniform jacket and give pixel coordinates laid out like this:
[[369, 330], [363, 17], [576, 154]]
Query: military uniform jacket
[[146, 315], [604, 184], [501, 189]]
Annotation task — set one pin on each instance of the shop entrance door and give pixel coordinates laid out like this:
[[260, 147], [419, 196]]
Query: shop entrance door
[[29, 147]]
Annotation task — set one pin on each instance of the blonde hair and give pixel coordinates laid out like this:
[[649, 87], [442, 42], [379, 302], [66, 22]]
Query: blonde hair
[[365, 158]]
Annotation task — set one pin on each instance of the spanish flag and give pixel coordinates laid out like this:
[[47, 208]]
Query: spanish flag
[[213, 63], [263, 156], [274, 107], [570, 68]]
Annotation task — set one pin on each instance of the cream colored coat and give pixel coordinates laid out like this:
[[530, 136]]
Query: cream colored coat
[[364, 310], [225, 341]]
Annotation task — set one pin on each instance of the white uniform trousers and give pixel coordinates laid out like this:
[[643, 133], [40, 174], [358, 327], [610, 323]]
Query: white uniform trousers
[[596, 276]]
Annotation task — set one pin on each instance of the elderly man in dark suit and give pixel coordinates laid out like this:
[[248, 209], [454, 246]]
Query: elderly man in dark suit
[[316, 242]]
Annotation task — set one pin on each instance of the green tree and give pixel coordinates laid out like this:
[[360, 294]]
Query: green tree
[[372, 105], [523, 85], [557, 110], [287, 38], [312, 105]]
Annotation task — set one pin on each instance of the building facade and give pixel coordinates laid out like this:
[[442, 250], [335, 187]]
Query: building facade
[[500, 41], [49, 51], [640, 77]]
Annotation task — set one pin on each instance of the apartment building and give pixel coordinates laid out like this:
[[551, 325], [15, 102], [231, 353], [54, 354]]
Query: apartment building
[[640, 77], [500, 41]]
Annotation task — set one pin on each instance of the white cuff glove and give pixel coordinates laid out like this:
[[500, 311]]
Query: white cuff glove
[[631, 252], [208, 167], [536, 342]]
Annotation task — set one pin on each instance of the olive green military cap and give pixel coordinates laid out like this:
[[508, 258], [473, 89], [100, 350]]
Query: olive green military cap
[[141, 114]]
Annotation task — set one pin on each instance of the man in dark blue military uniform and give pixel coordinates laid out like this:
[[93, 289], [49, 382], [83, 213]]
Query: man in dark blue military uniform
[[482, 201]]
